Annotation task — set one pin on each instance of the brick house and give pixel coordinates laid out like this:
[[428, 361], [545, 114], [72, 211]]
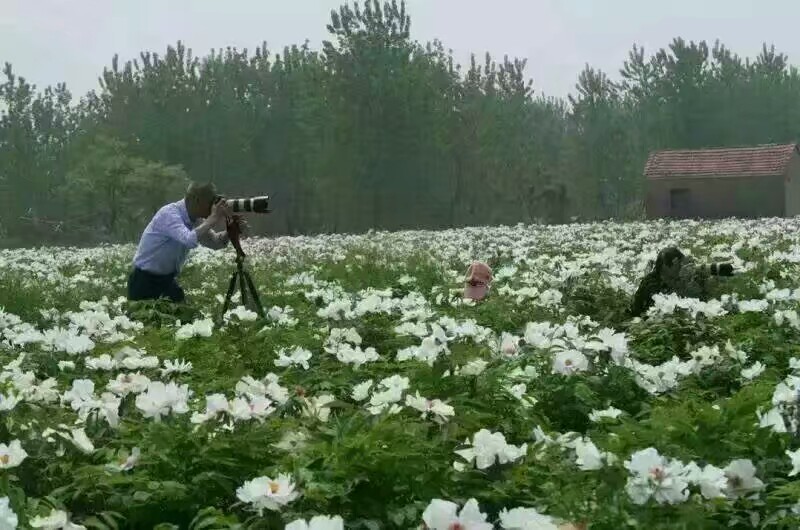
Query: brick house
[[744, 182]]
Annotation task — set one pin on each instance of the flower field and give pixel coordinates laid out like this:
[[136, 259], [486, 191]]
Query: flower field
[[372, 396]]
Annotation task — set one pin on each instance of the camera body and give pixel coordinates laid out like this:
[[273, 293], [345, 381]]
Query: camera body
[[249, 205]]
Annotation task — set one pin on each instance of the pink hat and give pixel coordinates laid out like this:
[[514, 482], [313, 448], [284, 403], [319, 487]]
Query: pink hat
[[478, 281]]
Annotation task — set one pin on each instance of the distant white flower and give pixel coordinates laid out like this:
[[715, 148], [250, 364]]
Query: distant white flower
[[127, 461], [126, 384], [355, 355], [80, 440], [655, 477], [588, 456], [711, 479], [518, 391], [8, 519], [282, 316], [215, 404], [66, 365], [772, 420], [474, 368], [199, 328], [509, 344], [12, 455], [8, 402], [82, 391], [610, 412], [319, 522], [56, 520], [264, 493], [160, 400], [795, 456], [742, 480], [138, 363], [339, 336], [241, 313], [488, 447], [361, 390], [753, 306], [258, 408], [296, 357], [103, 362], [317, 407], [292, 441], [444, 515], [753, 371], [569, 362], [439, 410], [526, 519], [178, 366]]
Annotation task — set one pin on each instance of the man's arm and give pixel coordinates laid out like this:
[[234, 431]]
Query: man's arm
[[172, 226], [214, 240], [643, 298]]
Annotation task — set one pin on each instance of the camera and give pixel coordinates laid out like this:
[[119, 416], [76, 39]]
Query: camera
[[250, 204]]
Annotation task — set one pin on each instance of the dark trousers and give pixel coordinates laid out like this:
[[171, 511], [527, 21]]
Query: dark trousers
[[143, 285]]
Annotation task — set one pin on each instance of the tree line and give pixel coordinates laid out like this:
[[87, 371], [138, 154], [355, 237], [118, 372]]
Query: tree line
[[373, 131]]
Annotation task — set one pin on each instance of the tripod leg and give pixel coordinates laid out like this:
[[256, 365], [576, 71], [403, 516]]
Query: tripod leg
[[254, 293], [231, 288], [242, 286]]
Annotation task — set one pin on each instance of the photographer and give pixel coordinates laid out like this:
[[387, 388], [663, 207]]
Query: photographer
[[174, 230], [676, 273]]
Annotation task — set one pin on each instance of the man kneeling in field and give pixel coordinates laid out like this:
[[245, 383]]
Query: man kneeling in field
[[674, 272], [175, 229]]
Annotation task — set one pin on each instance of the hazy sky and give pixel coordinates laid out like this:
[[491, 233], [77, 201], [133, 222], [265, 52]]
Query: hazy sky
[[49, 41]]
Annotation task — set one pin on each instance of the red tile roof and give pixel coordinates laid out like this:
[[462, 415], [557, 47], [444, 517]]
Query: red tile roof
[[759, 161]]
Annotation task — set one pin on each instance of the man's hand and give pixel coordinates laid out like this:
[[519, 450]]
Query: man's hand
[[219, 212]]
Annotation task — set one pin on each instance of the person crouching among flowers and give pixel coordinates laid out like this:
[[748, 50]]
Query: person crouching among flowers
[[478, 281]]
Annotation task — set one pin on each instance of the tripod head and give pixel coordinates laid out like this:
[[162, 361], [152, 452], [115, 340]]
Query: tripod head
[[233, 226]]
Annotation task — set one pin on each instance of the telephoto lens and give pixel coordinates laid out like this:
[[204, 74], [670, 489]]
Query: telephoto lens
[[251, 204]]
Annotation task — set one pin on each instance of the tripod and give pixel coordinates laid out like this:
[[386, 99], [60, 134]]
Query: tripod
[[241, 276]]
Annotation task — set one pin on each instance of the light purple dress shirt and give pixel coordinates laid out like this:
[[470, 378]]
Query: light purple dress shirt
[[168, 238]]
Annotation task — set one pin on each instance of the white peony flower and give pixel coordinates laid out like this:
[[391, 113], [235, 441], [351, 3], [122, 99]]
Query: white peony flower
[[439, 410], [103, 362], [474, 368], [8, 402], [488, 448], [598, 415], [711, 479], [296, 357], [178, 366], [570, 362], [655, 477], [160, 400], [742, 480], [264, 493], [126, 384], [444, 515], [12, 455], [317, 407], [526, 519], [8, 519], [361, 390], [753, 371], [795, 456], [80, 440], [319, 522]]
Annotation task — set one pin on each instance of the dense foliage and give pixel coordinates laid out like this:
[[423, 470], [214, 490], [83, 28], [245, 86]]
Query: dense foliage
[[374, 130], [373, 393]]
